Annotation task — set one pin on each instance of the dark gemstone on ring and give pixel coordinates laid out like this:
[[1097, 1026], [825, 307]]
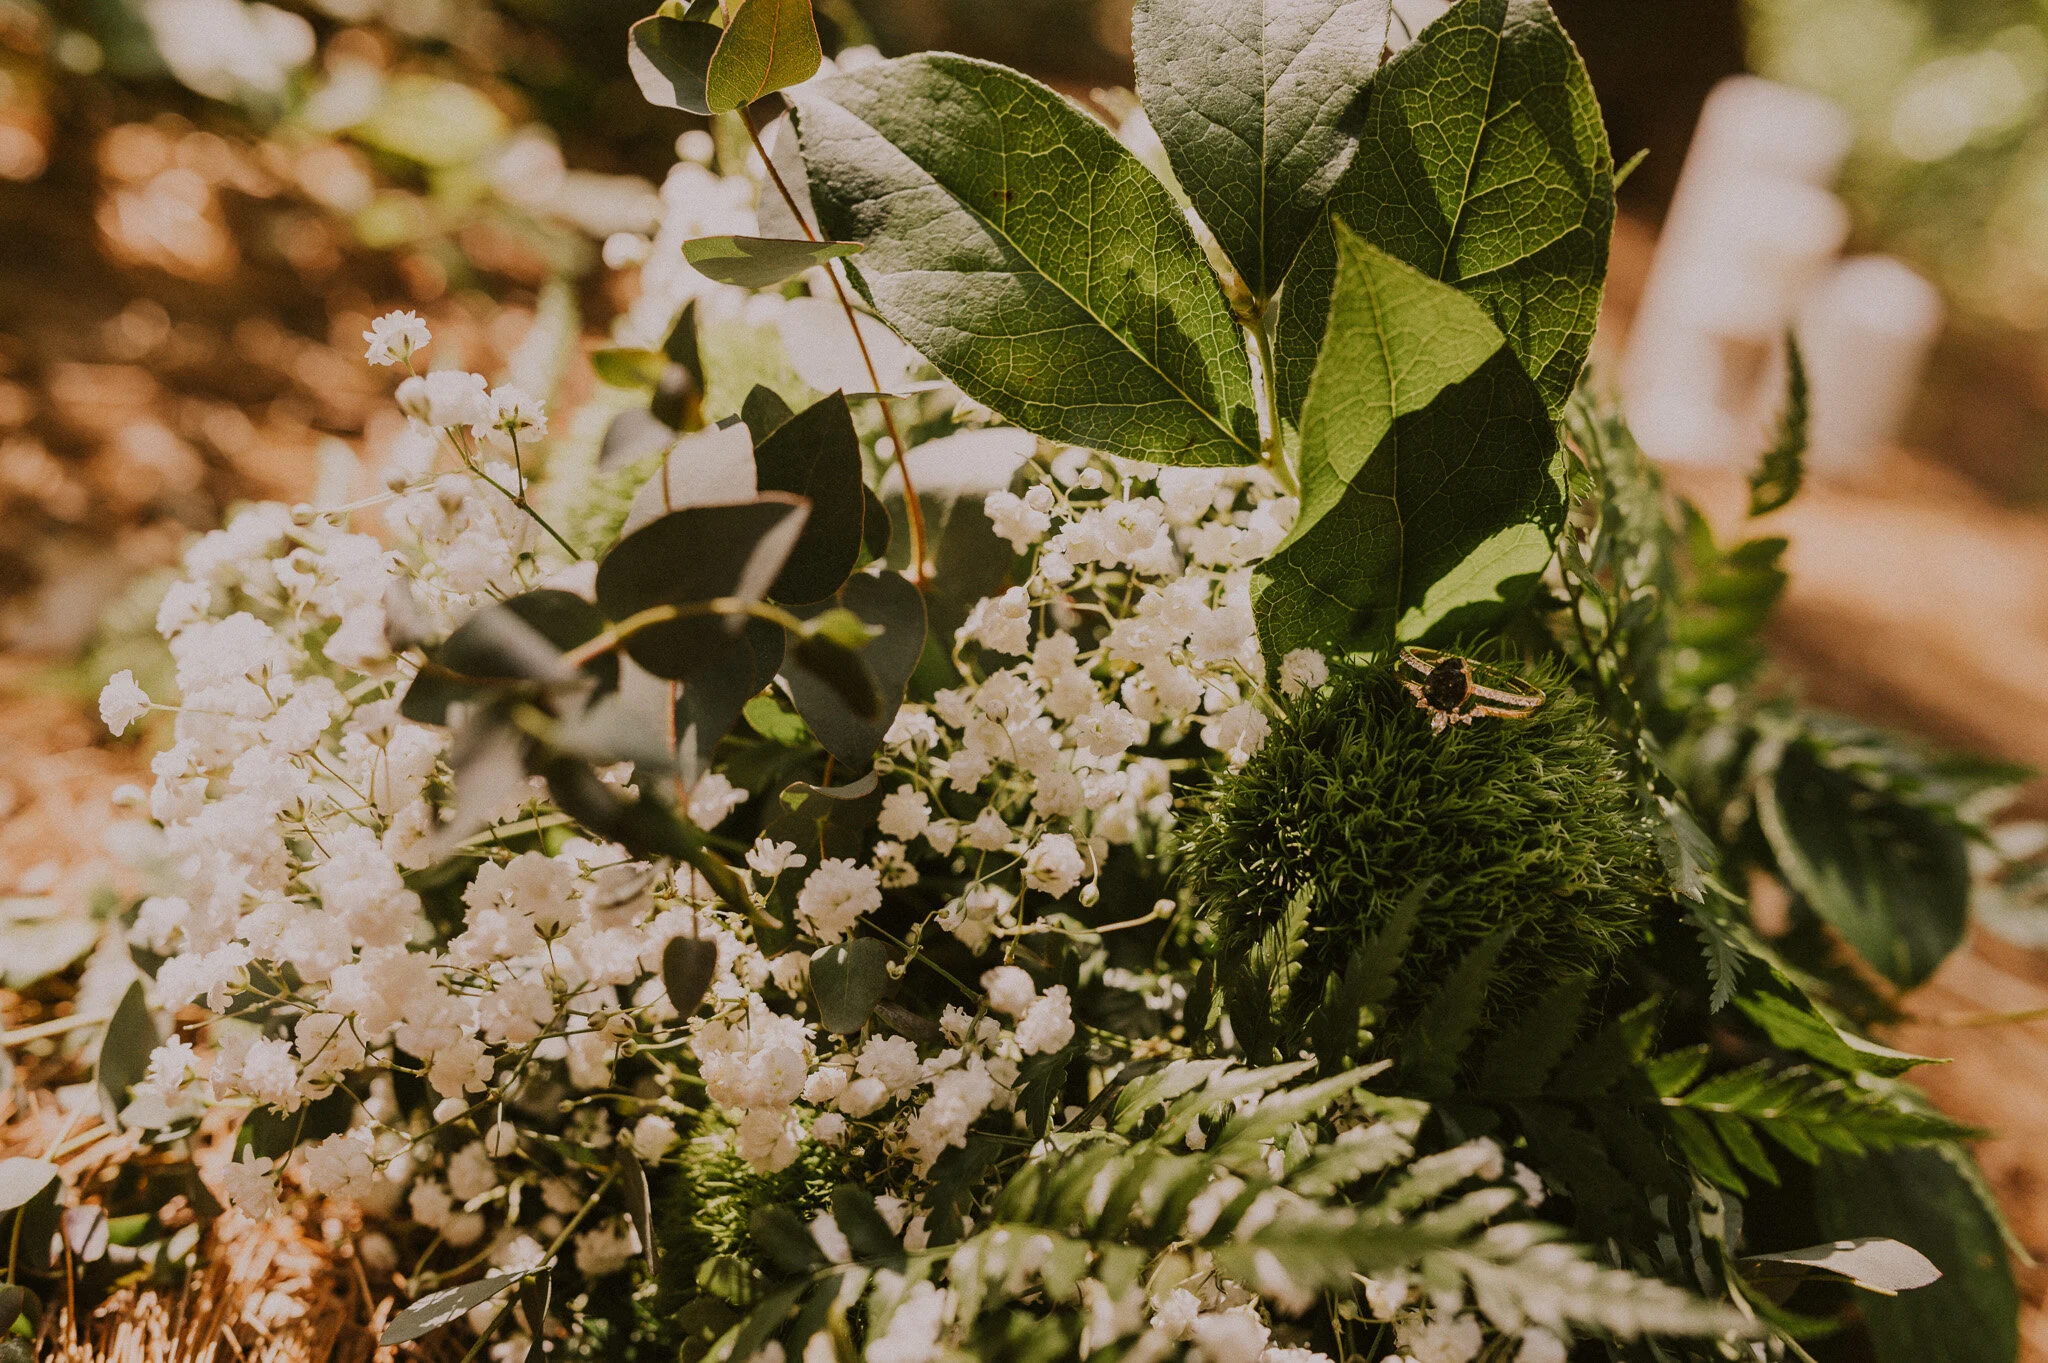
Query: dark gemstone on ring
[[1447, 686]]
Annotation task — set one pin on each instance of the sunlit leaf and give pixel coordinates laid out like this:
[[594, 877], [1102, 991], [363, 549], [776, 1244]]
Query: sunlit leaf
[[769, 45], [436, 1309], [760, 262], [669, 58]]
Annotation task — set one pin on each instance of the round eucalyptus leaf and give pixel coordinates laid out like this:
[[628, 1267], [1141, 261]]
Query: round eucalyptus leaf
[[848, 980], [688, 965], [669, 58]]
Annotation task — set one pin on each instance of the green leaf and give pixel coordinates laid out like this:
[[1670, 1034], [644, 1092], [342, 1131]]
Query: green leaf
[[1919, 1198], [1893, 880], [1256, 104], [1779, 474], [1873, 1263], [836, 680], [887, 601], [780, 1235], [534, 1295], [269, 1132], [1796, 1024], [436, 1309], [767, 718], [715, 696], [1425, 469], [1433, 1047], [687, 967], [639, 1206], [760, 262], [1482, 163], [669, 58], [816, 454], [764, 412], [622, 368], [696, 555], [1030, 257], [21, 1179], [130, 1038], [506, 644], [769, 45]]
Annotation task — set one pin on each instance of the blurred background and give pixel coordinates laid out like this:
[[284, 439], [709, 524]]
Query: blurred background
[[204, 202]]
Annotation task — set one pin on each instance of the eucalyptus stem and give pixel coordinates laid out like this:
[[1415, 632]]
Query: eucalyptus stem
[[617, 634], [912, 506]]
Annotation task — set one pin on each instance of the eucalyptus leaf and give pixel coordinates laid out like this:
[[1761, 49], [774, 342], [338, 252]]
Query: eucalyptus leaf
[[704, 468], [890, 602], [693, 556], [669, 59], [760, 262], [1101, 327], [631, 436], [764, 412], [716, 694], [17, 1301], [269, 1133], [848, 980], [1425, 469], [816, 455], [1482, 162], [1892, 879], [688, 965], [768, 45], [488, 759], [1872, 1263], [1257, 104], [436, 1309], [1924, 1199], [131, 1037], [21, 1179], [508, 644], [639, 1206], [797, 792], [534, 1296], [85, 1232]]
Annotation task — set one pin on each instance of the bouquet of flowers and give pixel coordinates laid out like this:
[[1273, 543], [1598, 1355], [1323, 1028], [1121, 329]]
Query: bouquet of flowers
[[1094, 752]]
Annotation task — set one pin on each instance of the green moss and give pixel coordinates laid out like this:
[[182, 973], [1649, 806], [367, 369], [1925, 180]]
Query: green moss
[[1529, 825], [702, 1205]]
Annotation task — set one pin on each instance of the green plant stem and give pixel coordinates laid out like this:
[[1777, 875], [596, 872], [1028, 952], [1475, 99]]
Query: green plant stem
[[554, 1248], [1274, 455], [662, 615], [911, 505], [517, 499]]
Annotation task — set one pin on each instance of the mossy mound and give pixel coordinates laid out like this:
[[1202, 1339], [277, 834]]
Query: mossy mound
[[1528, 825]]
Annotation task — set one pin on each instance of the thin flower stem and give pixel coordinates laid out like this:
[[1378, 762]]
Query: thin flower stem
[[911, 505], [1274, 456], [517, 499]]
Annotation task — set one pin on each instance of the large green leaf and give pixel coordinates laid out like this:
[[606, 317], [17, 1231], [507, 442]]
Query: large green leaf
[[1030, 257], [1893, 880], [1425, 458], [1483, 163], [1921, 1198], [1256, 104], [770, 45]]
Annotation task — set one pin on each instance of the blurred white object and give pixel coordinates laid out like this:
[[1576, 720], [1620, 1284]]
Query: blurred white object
[[1752, 229], [1864, 333]]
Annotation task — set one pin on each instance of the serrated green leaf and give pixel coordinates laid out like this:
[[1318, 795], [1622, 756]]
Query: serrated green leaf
[[816, 455], [1433, 1047], [1781, 471], [1915, 1197], [669, 58], [1797, 1025], [1255, 104], [1483, 163], [768, 45], [1425, 469], [848, 980], [1102, 328], [1893, 880], [760, 262], [1525, 1055], [689, 557]]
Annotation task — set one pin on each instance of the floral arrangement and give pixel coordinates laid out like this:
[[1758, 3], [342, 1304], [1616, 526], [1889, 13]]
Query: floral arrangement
[[961, 861]]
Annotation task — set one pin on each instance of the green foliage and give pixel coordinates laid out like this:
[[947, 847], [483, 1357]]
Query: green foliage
[[1415, 397], [760, 262], [768, 45], [1892, 878], [1932, 1200], [1782, 469], [1105, 329], [1525, 828], [1256, 106], [1483, 163], [1126, 1201]]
